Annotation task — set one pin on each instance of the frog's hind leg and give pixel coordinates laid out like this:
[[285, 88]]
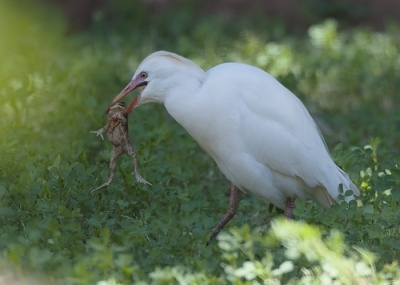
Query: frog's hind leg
[[129, 151], [115, 154]]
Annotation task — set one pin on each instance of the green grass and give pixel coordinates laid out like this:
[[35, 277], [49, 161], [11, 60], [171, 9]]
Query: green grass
[[54, 88]]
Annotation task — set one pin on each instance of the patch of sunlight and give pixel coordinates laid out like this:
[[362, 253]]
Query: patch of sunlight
[[32, 36]]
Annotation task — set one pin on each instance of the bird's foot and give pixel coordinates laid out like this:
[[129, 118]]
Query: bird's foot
[[213, 235]]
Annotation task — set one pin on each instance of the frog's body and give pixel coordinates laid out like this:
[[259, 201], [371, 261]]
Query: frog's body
[[118, 135]]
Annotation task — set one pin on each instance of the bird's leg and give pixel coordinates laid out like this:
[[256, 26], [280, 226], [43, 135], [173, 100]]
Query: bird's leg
[[129, 150], [116, 152], [228, 215], [289, 208]]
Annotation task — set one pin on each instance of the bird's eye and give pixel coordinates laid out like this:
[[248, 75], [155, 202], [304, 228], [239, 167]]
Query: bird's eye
[[143, 75]]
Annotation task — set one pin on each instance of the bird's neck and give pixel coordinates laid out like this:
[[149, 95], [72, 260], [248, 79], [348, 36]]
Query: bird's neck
[[191, 109], [183, 99]]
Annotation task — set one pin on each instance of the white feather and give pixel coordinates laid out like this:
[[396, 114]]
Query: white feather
[[258, 132]]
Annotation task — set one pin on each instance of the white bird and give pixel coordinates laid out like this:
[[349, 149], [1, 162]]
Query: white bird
[[258, 132]]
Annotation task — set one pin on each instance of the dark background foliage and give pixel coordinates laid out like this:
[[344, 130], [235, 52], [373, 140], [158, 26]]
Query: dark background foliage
[[60, 68]]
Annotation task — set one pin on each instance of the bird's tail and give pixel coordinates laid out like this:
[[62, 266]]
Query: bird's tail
[[348, 185], [328, 194]]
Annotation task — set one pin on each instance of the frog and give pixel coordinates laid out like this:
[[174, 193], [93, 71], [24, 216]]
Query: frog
[[118, 135]]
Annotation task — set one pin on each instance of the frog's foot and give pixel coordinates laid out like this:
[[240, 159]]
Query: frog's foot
[[98, 133], [140, 179], [100, 187]]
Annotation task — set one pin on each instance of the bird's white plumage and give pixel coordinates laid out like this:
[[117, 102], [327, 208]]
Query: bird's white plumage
[[258, 132]]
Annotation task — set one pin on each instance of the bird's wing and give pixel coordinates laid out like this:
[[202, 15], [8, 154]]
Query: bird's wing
[[275, 128], [279, 132]]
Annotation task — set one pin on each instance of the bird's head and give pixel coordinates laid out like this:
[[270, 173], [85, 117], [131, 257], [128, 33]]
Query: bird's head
[[159, 73]]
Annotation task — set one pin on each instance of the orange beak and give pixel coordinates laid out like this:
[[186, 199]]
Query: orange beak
[[135, 83]]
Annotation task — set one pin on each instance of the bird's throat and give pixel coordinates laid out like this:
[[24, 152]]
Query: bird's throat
[[133, 103]]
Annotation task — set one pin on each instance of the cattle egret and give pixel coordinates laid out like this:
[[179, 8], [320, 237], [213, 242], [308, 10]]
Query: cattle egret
[[258, 132]]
